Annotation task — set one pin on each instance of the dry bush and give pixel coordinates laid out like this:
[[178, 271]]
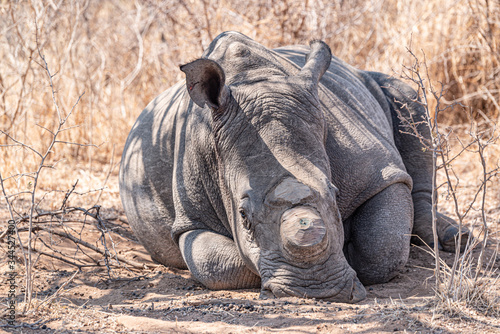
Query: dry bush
[[468, 288], [470, 284], [33, 231]]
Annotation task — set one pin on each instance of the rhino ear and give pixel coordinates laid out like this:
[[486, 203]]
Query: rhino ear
[[205, 82], [317, 61]]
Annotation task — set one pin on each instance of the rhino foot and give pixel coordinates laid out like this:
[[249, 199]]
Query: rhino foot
[[449, 238], [447, 229]]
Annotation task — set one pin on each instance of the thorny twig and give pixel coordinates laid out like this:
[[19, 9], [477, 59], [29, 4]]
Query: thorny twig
[[28, 244], [435, 146], [462, 266]]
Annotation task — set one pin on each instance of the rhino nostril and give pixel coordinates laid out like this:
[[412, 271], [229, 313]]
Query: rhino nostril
[[302, 226]]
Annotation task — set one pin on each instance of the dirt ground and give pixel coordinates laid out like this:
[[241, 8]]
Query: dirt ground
[[162, 300], [156, 299]]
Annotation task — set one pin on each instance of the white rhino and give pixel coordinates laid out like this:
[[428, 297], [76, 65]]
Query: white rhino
[[282, 169]]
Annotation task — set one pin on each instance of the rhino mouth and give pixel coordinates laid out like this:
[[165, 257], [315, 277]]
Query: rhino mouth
[[352, 292], [343, 286]]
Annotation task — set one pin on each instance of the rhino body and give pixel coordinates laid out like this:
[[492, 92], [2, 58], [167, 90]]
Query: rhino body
[[283, 169]]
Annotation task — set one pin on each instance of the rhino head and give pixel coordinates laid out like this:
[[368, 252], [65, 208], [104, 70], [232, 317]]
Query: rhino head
[[269, 135]]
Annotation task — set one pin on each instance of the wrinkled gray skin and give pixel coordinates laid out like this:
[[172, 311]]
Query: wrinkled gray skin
[[282, 169]]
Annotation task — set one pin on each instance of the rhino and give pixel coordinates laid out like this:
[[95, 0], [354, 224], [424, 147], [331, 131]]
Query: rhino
[[283, 169]]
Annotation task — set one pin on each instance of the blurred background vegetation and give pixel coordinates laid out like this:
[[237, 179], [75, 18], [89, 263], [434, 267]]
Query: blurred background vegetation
[[122, 54]]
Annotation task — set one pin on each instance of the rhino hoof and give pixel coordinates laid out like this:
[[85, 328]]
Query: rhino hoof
[[431, 245], [450, 237]]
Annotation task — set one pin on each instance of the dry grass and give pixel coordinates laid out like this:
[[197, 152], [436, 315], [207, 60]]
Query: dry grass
[[472, 287], [470, 284]]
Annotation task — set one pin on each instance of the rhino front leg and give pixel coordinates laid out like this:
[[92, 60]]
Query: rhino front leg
[[214, 261], [418, 162], [378, 235]]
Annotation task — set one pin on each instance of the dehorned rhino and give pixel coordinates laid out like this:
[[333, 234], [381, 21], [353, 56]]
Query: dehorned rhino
[[283, 169]]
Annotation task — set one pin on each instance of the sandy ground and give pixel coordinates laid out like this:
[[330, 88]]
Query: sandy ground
[[162, 300], [155, 299]]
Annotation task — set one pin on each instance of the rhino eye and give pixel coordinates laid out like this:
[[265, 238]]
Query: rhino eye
[[246, 222]]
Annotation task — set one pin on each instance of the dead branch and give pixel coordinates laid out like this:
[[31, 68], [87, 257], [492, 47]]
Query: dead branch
[[63, 259], [92, 247]]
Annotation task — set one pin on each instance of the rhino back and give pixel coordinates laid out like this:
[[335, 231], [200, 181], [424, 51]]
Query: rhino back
[[146, 176], [360, 144]]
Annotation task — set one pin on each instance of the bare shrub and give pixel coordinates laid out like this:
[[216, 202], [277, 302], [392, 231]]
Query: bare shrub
[[470, 282], [35, 228]]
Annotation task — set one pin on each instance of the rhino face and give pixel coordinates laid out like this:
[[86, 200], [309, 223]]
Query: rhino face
[[275, 175]]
